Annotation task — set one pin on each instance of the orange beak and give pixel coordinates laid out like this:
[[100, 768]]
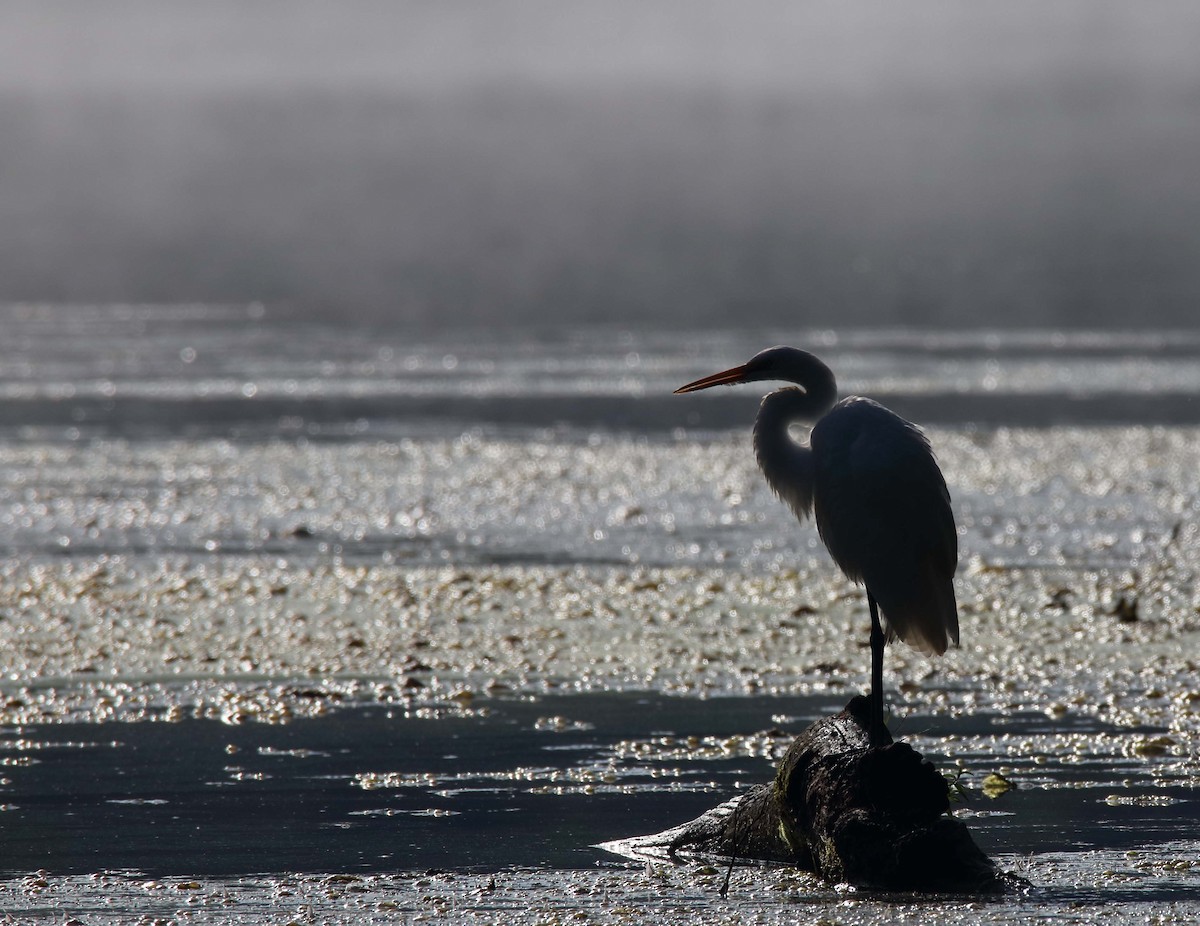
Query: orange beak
[[724, 378]]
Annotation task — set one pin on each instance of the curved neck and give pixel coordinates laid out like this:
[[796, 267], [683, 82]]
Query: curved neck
[[788, 465], [813, 377]]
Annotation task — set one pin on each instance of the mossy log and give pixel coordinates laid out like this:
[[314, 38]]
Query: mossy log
[[873, 817]]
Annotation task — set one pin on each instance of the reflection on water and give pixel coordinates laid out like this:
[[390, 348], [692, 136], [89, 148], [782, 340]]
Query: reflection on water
[[529, 782], [242, 498], [166, 371]]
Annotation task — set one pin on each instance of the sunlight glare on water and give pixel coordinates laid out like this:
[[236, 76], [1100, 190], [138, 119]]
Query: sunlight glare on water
[[297, 600]]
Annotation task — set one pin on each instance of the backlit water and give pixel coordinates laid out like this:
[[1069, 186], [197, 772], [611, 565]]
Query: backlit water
[[342, 621]]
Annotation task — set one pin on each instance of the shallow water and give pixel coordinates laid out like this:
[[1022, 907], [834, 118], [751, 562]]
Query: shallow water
[[402, 802], [529, 782], [280, 636]]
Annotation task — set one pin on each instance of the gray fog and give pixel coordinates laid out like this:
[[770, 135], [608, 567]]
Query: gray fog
[[698, 163]]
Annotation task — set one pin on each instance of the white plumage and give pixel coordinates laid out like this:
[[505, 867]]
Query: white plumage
[[880, 501]]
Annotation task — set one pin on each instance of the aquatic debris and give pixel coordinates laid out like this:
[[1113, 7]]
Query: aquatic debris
[[1152, 746], [847, 807], [558, 724], [767, 744], [995, 785], [1060, 599], [1140, 800], [1126, 609]]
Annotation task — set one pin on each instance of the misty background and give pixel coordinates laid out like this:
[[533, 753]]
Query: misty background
[[695, 163]]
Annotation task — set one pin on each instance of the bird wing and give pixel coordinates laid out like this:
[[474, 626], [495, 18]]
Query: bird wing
[[883, 510]]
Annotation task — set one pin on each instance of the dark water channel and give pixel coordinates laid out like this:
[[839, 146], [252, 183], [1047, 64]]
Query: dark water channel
[[507, 783]]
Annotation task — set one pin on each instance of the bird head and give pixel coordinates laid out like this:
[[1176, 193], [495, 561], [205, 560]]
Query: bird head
[[788, 364]]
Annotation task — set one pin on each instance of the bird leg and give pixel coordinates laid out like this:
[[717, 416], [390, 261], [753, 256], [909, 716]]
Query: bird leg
[[878, 731]]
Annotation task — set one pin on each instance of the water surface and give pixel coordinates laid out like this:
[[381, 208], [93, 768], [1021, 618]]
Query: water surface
[[294, 615]]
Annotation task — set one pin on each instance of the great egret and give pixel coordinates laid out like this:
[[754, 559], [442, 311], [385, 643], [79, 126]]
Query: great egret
[[881, 503]]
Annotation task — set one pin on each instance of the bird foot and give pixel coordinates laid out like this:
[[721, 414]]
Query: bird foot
[[869, 721]]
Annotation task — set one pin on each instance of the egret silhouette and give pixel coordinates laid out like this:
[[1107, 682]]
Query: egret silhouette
[[881, 503]]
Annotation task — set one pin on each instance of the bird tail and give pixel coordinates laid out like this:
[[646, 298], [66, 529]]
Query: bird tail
[[930, 622]]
